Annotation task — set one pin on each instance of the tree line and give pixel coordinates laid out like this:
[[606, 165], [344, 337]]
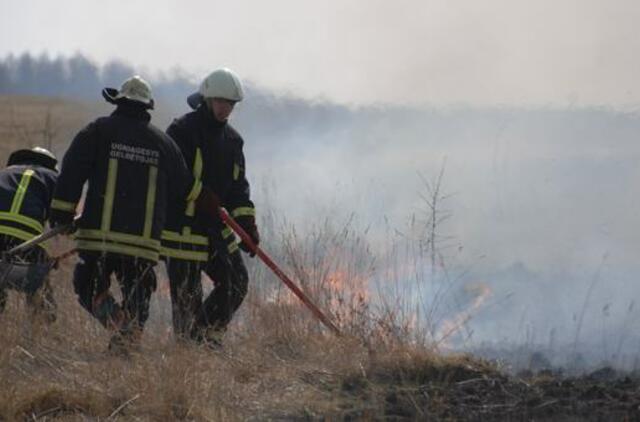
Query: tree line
[[265, 114], [75, 77]]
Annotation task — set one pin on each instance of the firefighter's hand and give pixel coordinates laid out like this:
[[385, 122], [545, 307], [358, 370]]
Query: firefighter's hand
[[59, 218], [208, 203], [248, 224]]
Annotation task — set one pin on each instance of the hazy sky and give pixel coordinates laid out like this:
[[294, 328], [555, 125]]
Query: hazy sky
[[510, 52]]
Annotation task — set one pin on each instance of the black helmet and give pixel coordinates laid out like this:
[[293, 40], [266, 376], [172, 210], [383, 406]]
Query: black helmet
[[36, 155]]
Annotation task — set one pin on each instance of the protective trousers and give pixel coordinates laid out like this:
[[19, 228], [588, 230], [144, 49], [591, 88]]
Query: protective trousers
[[41, 301], [193, 318], [137, 280]]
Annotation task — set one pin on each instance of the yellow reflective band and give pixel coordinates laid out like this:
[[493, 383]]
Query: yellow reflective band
[[110, 191], [21, 191], [236, 171], [186, 231], [19, 218], [243, 212], [22, 235], [197, 175], [91, 245], [151, 201], [185, 255], [195, 191], [58, 204], [197, 164], [191, 238], [227, 234], [103, 236], [191, 209]]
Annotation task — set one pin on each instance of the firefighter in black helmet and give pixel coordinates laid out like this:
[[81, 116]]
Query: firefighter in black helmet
[[214, 151], [133, 171], [26, 189]]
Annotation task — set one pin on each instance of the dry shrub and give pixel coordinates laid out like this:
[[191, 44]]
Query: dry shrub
[[420, 366]]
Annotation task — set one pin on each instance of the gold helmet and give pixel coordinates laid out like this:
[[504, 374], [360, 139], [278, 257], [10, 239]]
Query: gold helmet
[[133, 89]]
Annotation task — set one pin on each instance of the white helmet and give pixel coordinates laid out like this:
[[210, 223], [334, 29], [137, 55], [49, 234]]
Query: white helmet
[[221, 83], [135, 89]]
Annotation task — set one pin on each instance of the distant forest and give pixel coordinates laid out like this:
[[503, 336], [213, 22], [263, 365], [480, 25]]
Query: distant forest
[[264, 113], [75, 77]]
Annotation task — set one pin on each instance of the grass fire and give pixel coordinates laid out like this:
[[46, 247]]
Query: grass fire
[[383, 327]]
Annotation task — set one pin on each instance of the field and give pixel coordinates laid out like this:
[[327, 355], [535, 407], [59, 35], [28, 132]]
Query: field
[[277, 362], [30, 121]]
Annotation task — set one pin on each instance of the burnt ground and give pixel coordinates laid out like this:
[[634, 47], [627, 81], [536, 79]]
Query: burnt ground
[[542, 397], [473, 390]]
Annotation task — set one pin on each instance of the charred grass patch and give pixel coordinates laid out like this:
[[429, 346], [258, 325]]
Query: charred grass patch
[[429, 387]]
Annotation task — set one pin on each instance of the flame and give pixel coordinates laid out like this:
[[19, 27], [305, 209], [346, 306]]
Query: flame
[[341, 293], [481, 293], [354, 284]]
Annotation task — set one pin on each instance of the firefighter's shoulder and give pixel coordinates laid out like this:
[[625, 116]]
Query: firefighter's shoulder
[[92, 126], [233, 135], [158, 133], [186, 120]]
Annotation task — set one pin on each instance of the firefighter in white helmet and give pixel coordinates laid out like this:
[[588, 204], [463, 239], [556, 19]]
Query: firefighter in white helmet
[[221, 84], [213, 149]]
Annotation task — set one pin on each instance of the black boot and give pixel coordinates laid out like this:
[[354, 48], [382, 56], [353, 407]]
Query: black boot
[[210, 337]]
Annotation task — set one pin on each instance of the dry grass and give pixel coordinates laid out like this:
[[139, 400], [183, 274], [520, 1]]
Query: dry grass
[[277, 363], [30, 121], [268, 369]]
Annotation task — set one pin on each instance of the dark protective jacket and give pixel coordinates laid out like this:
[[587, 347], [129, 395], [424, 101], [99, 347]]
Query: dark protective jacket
[[25, 195], [213, 150], [134, 171]]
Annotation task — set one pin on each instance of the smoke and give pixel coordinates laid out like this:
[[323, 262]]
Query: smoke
[[539, 198]]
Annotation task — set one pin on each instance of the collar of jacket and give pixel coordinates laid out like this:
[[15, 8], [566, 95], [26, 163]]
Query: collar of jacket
[[207, 117], [132, 111]]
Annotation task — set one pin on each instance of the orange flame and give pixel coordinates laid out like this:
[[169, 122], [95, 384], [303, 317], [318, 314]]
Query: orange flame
[[450, 326]]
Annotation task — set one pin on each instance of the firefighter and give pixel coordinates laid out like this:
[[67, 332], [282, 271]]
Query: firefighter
[[133, 171], [26, 189], [213, 150]]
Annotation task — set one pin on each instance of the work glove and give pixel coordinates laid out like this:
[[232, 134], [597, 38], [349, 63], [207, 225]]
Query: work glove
[[62, 218], [248, 224], [208, 204]]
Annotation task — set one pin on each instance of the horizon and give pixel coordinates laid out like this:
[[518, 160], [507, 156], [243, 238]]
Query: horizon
[[560, 53]]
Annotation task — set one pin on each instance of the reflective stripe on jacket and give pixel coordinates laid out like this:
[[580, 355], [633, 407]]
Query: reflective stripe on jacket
[[25, 194], [213, 151], [134, 171]]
